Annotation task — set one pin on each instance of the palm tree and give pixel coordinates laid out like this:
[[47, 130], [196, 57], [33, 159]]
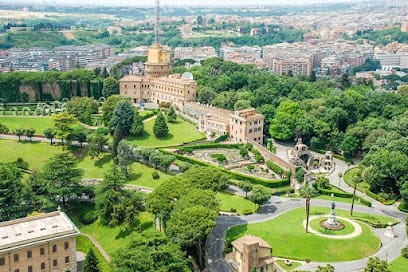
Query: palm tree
[[356, 178], [307, 191]]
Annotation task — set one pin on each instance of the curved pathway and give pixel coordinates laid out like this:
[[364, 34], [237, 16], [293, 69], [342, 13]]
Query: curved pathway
[[277, 205], [357, 229], [98, 246]]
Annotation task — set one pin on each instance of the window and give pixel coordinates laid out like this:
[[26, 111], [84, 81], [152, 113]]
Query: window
[[16, 257], [17, 270], [29, 254], [2, 261], [66, 245], [30, 269], [42, 265], [54, 248], [55, 262], [42, 251], [67, 259]]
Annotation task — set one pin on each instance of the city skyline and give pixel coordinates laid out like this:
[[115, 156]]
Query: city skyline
[[186, 2]]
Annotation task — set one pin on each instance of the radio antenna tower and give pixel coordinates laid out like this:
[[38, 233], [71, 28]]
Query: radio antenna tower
[[157, 25]]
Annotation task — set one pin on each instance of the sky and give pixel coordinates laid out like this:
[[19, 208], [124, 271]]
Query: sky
[[185, 2]]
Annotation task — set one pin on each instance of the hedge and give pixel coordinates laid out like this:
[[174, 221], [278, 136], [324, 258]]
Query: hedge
[[212, 145], [344, 195], [238, 176], [403, 208], [221, 138], [378, 198], [274, 167]]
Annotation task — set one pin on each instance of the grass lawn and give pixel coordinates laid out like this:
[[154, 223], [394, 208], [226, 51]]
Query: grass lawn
[[399, 264], [292, 265], [288, 238], [84, 244], [35, 153], [338, 199], [38, 123], [141, 174], [361, 186], [179, 132], [111, 239], [348, 228], [240, 204]]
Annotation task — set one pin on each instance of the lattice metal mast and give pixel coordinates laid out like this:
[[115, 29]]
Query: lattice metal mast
[[157, 25]]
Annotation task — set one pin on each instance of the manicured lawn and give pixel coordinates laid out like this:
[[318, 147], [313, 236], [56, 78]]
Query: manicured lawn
[[348, 228], [141, 174], [288, 238], [338, 199], [179, 132], [240, 204], [110, 239], [361, 186], [292, 265], [35, 153], [38, 123], [84, 244], [398, 265]]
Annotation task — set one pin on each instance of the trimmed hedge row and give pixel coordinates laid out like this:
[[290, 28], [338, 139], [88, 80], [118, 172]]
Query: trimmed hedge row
[[238, 176], [403, 208], [378, 198], [212, 145], [274, 167], [344, 195]]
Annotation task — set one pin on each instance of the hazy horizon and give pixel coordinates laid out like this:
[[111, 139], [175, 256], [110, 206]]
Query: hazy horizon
[[182, 2]]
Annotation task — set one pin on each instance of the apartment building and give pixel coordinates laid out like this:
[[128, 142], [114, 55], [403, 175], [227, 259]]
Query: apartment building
[[43, 243]]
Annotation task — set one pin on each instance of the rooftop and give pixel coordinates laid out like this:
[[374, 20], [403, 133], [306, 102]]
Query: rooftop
[[249, 240], [43, 227]]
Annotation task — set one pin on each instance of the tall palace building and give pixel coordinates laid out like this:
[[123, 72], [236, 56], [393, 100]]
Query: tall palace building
[[157, 85]]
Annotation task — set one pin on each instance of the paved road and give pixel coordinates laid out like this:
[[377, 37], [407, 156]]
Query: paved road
[[389, 250], [277, 205]]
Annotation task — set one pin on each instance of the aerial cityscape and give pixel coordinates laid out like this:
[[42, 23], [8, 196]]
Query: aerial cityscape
[[175, 136]]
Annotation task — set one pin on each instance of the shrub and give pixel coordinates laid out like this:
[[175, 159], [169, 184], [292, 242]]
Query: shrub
[[219, 157], [155, 175], [233, 210], [221, 138], [243, 151], [21, 163], [185, 166], [247, 211], [274, 167], [404, 252], [88, 217]]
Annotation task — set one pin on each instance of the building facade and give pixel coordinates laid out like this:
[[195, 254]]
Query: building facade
[[241, 125], [251, 253], [43, 243]]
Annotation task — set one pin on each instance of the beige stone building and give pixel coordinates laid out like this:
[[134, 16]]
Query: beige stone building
[[43, 243], [249, 252], [241, 126], [158, 86]]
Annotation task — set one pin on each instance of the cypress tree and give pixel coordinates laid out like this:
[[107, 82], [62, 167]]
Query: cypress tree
[[160, 128], [171, 115], [137, 126]]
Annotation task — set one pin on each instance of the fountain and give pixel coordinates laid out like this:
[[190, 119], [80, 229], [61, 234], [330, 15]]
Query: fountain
[[331, 223]]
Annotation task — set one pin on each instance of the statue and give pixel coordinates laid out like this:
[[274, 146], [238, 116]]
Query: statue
[[333, 205]]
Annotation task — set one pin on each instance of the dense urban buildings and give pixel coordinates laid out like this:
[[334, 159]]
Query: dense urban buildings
[[45, 242]]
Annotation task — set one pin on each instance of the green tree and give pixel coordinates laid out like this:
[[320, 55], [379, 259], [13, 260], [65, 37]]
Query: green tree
[[110, 87], [13, 193], [122, 117], [108, 107], [283, 125], [307, 191], [82, 108], [61, 178], [171, 115], [50, 134], [19, 132], [160, 128], [91, 263], [349, 145], [63, 123], [150, 251], [125, 157], [190, 226], [97, 142], [79, 134], [374, 264], [259, 195], [137, 128], [30, 133], [207, 178], [246, 187]]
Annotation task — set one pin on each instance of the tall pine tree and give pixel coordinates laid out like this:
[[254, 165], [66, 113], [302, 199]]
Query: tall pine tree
[[160, 128], [137, 128], [91, 262], [171, 115]]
